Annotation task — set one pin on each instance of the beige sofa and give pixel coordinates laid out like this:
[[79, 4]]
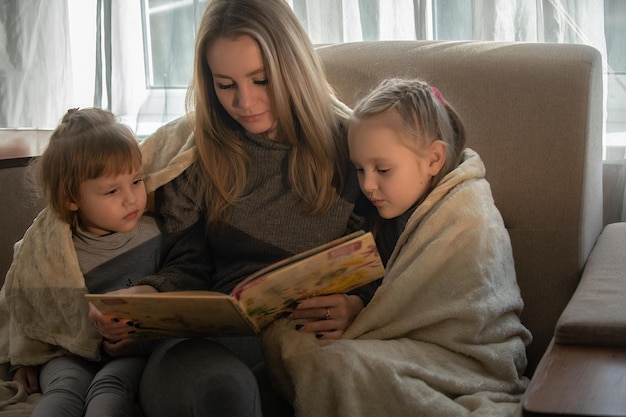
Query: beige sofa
[[534, 114]]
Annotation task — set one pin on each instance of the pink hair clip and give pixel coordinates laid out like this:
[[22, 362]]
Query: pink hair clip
[[437, 94]]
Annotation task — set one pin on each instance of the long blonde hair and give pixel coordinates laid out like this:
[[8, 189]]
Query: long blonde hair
[[303, 105]]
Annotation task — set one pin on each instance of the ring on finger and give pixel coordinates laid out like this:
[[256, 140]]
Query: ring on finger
[[327, 316]]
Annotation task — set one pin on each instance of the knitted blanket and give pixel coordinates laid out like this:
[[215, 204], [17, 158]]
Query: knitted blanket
[[441, 336], [167, 153]]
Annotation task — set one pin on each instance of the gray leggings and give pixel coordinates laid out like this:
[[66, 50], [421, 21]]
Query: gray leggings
[[75, 387]]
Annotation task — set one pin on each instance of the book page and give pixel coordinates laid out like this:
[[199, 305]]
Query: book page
[[337, 268], [177, 314], [292, 259]]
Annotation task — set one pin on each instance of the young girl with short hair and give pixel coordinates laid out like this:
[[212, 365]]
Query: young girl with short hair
[[91, 178]]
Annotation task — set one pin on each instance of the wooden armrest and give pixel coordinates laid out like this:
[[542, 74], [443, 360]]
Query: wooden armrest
[[578, 381]]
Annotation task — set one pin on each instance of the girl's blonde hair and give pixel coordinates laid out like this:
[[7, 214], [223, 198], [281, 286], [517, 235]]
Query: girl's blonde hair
[[302, 103], [87, 144], [425, 116]]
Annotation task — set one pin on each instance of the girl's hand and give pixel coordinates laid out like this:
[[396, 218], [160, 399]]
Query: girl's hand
[[330, 314], [29, 378]]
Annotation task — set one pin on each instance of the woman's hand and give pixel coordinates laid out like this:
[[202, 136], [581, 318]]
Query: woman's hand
[[29, 378], [116, 328], [330, 314], [127, 347], [111, 327]]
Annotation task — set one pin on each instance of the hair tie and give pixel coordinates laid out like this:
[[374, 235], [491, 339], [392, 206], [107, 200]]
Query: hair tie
[[68, 114], [437, 94]]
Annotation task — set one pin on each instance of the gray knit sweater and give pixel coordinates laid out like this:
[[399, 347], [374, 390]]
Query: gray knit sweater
[[263, 228]]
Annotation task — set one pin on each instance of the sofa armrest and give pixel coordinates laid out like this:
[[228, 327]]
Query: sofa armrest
[[577, 381], [582, 371], [596, 314]]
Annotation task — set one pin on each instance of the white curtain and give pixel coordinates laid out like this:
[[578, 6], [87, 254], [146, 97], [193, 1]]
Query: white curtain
[[35, 62], [59, 54], [564, 21]]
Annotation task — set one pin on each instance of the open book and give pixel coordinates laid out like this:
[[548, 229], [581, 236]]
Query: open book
[[336, 267]]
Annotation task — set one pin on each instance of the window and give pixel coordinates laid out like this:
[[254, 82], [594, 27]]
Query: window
[[170, 25], [169, 31], [103, 57], [169, 34]]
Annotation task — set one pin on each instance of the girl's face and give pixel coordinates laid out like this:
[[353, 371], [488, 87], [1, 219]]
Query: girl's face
[[391, 175], [240, 83], [112, 203]]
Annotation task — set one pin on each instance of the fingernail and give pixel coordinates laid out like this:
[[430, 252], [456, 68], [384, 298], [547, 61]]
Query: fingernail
[[130, 323], [318, 335], [115, 320], [284, 315], [299, 326]]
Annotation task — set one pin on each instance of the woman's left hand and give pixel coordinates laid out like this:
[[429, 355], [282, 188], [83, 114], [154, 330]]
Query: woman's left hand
[[127, 347], [111, 327], [117, 328], [330, 315]]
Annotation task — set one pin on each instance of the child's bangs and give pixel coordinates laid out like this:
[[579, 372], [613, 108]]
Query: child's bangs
[[118, 163], [117, 153]]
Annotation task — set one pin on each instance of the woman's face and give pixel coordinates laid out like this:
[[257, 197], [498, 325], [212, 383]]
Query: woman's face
[[241, 84]]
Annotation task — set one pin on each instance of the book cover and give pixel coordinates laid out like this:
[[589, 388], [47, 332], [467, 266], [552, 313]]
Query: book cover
[[335, 267]]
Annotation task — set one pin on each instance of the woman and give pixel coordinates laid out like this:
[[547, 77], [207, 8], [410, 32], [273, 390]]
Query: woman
[[257, 172]]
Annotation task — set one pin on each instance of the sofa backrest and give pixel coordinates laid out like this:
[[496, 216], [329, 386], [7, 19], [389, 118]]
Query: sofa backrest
[[534, 114], [19, 203], [19, 206]]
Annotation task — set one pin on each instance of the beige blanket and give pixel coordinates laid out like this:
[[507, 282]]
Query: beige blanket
[[14, 401], [441, 336]]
